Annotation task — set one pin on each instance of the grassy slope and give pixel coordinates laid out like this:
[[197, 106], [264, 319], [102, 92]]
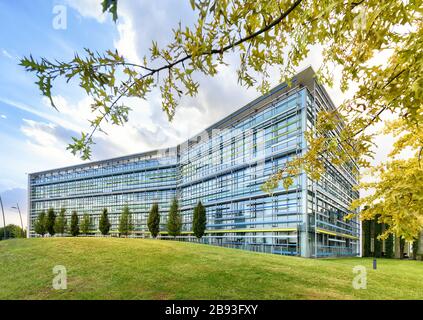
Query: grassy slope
[[110, 268]]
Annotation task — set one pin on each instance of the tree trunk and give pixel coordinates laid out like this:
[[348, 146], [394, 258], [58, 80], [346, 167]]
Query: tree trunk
[[402, 246], [397, 248]]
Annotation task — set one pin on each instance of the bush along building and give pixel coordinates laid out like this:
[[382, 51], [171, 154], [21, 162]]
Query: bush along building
[[391, 247], [224, 168]]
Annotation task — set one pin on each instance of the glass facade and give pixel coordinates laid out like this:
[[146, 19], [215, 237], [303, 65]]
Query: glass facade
[[224, 167]]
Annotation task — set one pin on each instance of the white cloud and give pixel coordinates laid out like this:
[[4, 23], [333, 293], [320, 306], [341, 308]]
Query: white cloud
[[41, 133], [3, 116], [7, 54], [49, 115], [48, 141], [88, 9], [141, 22], [126, 44]]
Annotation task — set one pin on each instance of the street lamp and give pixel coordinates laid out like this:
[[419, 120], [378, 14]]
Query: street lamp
[[20, 215], [4, 220]]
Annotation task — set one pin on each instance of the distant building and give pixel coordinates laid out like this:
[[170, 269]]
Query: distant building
[[224, 167]]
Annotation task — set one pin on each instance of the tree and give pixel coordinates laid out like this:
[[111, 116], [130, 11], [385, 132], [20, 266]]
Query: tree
[[398, 196], [389, 246], [377, 239], [74, 225], [174, 221], [12, 231], [401, 247], [51, 219], [40, 224], [153, 222], [415, 248], [199, 220], [104, 223], [125, 222], [85, 224], [367, 237], [61, 222], [267, 35]]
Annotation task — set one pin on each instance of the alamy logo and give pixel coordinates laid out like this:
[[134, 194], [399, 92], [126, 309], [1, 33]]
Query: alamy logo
[[60, 280], [360, 280], [60, 20]]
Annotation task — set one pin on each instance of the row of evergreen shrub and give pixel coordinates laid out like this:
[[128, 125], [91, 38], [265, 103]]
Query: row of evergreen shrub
[[57, 224]]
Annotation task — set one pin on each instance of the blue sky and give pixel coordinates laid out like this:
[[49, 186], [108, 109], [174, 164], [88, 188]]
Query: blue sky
[[33, 136], [26, 27]]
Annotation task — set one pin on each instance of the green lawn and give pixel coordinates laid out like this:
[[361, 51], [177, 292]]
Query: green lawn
[[111, 268]]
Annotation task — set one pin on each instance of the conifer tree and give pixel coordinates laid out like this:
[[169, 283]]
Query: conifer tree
[[125, 222], [60, 223], [74, 227], [40, 224], [199, 220], [85, 224], [174, 221], [50, 221], [154, 220], [104, 224]]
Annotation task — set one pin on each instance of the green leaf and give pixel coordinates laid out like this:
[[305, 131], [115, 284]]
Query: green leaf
[[111, 6]]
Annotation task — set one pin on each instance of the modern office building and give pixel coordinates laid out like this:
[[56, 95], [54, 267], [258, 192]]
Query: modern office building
[[224, 167]]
